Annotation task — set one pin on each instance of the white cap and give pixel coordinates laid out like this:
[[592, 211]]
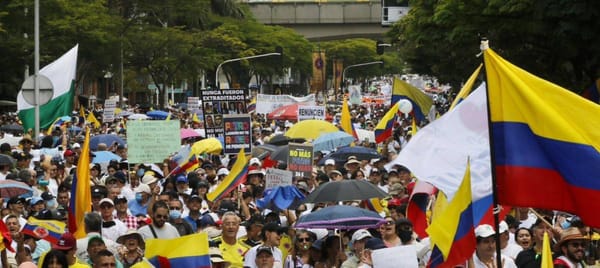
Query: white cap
[[484, 230], [143, 188], [149, 179], [107, 200], [330, 162], [223, 171], [503, 227], [76, 145], [255, 161], [360, 234]]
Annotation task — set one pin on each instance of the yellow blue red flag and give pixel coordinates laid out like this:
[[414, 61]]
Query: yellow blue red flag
[[186, 251], [421, 102], [49, 230], [81, 191], [236, 176]]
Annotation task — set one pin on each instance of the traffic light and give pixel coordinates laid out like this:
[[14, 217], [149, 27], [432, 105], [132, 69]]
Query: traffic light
[[379, 48]]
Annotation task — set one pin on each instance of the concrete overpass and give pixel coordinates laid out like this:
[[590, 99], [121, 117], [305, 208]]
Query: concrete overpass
[[323, 20]]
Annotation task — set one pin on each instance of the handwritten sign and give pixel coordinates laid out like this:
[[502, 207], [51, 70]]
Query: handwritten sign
[[277, 177], [238, 133], [109, 111], [300, 159], [402, 256], [152, 141], [311, 112]]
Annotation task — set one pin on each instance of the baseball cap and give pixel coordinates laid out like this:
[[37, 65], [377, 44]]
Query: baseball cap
[[66, 242], [502, 227], [264, 249], [181, 178], [46, 196], [223, 171], [335, 172], [272, 227], [255, 161], [120, 198], [107, 200], [484, 230], [16, 200], [330, 162], [360, 234], [374, 244], [143, 188], [95, 238], [120, 176], [34, 200], [395, 189], [76, 145], [68, 153]]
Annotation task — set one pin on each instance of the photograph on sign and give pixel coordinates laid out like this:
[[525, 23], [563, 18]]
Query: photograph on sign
[[237, 132], [152, 141], [300, 159], [219, 102]]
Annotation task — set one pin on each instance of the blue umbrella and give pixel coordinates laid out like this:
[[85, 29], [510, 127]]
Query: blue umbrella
[[341, 217], [280, 198], [107, 139], [158, 114], [341, 155], [105, 157], [332, 140], [12, 188]]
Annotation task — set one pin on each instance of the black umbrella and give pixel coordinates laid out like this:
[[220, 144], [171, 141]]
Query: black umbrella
[[12, 128], [281, 139], [281, 153], [262, 151], [341, 155], [345, 190]]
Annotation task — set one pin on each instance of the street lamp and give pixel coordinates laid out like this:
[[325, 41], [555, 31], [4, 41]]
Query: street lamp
[[355, 65], [239, 59], [107, 75]]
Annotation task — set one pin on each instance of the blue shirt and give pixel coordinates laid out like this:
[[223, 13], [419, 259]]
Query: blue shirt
[[136, 208]]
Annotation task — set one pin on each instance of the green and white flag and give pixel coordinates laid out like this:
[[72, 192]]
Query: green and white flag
[[61, 73]]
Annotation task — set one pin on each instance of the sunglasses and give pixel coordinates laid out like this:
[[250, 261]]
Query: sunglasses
[[578, 244], [390, 223], [175, 208], [304, 239]]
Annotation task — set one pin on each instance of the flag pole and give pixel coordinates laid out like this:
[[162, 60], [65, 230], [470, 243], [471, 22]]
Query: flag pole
[[484, 44]]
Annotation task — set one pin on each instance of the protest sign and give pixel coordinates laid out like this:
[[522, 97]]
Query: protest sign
[[238, 133], [300, 159], [109, 111], [400, 256], [268, 103], [218, 102], [193, 103], [278, 177], [151, 141], [311, 112]]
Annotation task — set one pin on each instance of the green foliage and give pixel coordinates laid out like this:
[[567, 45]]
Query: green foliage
[[553, 39]]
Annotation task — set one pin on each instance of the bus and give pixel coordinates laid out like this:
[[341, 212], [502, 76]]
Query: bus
[[392, 11]]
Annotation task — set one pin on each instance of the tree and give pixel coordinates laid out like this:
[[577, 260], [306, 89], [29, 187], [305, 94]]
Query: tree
[[548, 38]]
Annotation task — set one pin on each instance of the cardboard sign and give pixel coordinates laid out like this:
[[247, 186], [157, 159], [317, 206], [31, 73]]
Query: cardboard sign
[[238, 133], [278, 177], [311, 112], [401, 256], [152, 141], [109, 111], [300, 159]]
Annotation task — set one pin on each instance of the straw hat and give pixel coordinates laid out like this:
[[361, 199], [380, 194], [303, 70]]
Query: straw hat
[[132, 233], [567, 235]]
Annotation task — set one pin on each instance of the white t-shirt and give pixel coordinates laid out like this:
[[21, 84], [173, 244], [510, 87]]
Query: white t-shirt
[[166, 232], [250, 257]]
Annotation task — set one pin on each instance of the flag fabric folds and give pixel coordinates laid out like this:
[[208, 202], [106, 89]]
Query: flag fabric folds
[[418, 203], [186, 165], [437, 153], [592, 93], [236, 176], [345, 120], [186, 251], [91, 118], [49, 230], [546, 253], [61, 73], [421, 102], [453, 233], [5, 238], [467, 87], [81, 194], [385, 127], [544, 139]]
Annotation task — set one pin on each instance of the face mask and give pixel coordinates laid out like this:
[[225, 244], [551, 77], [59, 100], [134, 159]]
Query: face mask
[[42, 182], [139, 197], [175, 214], [565, 224], [51, 204], [405, 236]]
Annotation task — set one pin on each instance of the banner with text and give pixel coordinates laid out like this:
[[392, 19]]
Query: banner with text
[[300, 159], [218, 102], [193, 103], [238, 133], [109, 111], [151, 141], [311, 112], [278, 177], [267, 103]]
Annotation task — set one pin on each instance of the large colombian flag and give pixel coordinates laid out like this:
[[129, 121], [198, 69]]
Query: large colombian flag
[[186, 251], [81, 194], [546, 142], [49, 230], [452, 233], [385, 127], [236, 176], [421, 102]]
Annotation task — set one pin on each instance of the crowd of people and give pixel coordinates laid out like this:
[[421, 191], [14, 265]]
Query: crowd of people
[[133, 202]]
